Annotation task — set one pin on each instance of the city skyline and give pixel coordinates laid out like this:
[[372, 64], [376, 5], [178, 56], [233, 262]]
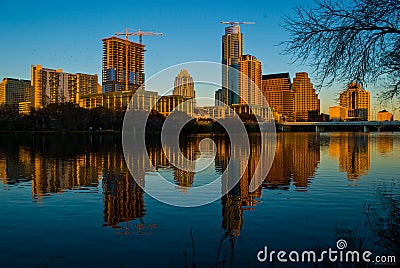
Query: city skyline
[[77, 48]]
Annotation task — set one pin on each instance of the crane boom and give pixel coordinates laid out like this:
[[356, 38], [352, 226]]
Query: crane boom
[[232, 23], [127, 34]]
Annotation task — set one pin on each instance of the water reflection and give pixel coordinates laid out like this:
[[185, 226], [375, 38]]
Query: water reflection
[[81, 163], [353, 152], [297, 157]]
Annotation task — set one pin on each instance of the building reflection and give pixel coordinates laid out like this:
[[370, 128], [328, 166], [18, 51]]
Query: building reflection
[[297, 156], [239, 198], [353, 151], [384, 143]]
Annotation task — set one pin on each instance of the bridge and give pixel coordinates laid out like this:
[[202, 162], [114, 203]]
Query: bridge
[[320, 126]]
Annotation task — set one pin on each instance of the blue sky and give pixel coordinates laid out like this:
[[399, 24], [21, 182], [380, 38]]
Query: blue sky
[[67, 35]]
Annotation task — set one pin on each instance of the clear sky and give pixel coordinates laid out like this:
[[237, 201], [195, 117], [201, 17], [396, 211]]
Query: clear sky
[[67, 34]]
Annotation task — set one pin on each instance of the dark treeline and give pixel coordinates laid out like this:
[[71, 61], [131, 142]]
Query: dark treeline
[[60, 117], [67, 117]]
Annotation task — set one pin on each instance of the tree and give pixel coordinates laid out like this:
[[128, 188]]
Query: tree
[[357, 40]]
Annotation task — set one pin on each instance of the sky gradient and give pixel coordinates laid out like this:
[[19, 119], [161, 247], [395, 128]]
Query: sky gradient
[[67, 35]]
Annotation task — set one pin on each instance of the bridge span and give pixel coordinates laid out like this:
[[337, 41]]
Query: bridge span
[[320, 126]]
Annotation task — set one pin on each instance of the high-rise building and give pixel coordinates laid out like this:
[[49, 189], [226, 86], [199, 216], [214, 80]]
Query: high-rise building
[[277, 89], [232, 50], [80, 85], [306, 102], [55, 86], [183, 85], [15, 92], [250, 82], [123, 65], [357, 101]]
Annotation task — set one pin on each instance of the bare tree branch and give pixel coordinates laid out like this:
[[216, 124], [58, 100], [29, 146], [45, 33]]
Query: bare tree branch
[[356, 41]]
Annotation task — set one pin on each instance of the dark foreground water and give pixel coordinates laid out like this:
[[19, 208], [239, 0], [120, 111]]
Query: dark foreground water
[[69, 201]]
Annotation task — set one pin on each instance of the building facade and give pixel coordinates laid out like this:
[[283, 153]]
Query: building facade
[[277, 89], [357, 101], [16, 93], [55, 86], [232, 50], [306, 104], [250, 81], [385, 116], [184, 85], [123, 65], [338, 113], [167, 104]]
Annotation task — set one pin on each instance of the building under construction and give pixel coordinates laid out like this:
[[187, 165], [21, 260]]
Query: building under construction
[[123, 65]]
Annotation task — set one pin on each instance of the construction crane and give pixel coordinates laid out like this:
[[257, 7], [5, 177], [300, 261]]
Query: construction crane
[[234, 23], [127, 34]]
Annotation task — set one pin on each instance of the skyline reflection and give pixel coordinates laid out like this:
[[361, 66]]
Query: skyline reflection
[[90, 164]]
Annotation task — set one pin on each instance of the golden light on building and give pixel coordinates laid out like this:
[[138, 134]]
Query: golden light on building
[[250, 80], [55, 86], [184, 85], [385, 116], [16, 93], [306, 102], [357, 101], [232, 50], [123, 64], [278, 93]]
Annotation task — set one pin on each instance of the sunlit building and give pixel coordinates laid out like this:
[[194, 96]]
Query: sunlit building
[[80, 85], [232, 50], [167, 104], [357, 101], [385, 116], [250, 81], [277, 89], [55, 86], [306, 104], [123, 65], [119, 100], [16, 93], [338, 113], [184, 85]]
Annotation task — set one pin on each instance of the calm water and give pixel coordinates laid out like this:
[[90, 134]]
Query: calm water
[[69, 201]]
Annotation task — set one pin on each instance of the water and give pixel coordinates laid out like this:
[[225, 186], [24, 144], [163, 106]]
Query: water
[[69, 201]]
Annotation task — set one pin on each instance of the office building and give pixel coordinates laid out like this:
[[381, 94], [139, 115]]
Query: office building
[[357, 101], [306, 104], [250, 81], [277, 89], [385, 116], [184, 85], [232, 50], [16, 93], [338, 113], [123, 65]]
